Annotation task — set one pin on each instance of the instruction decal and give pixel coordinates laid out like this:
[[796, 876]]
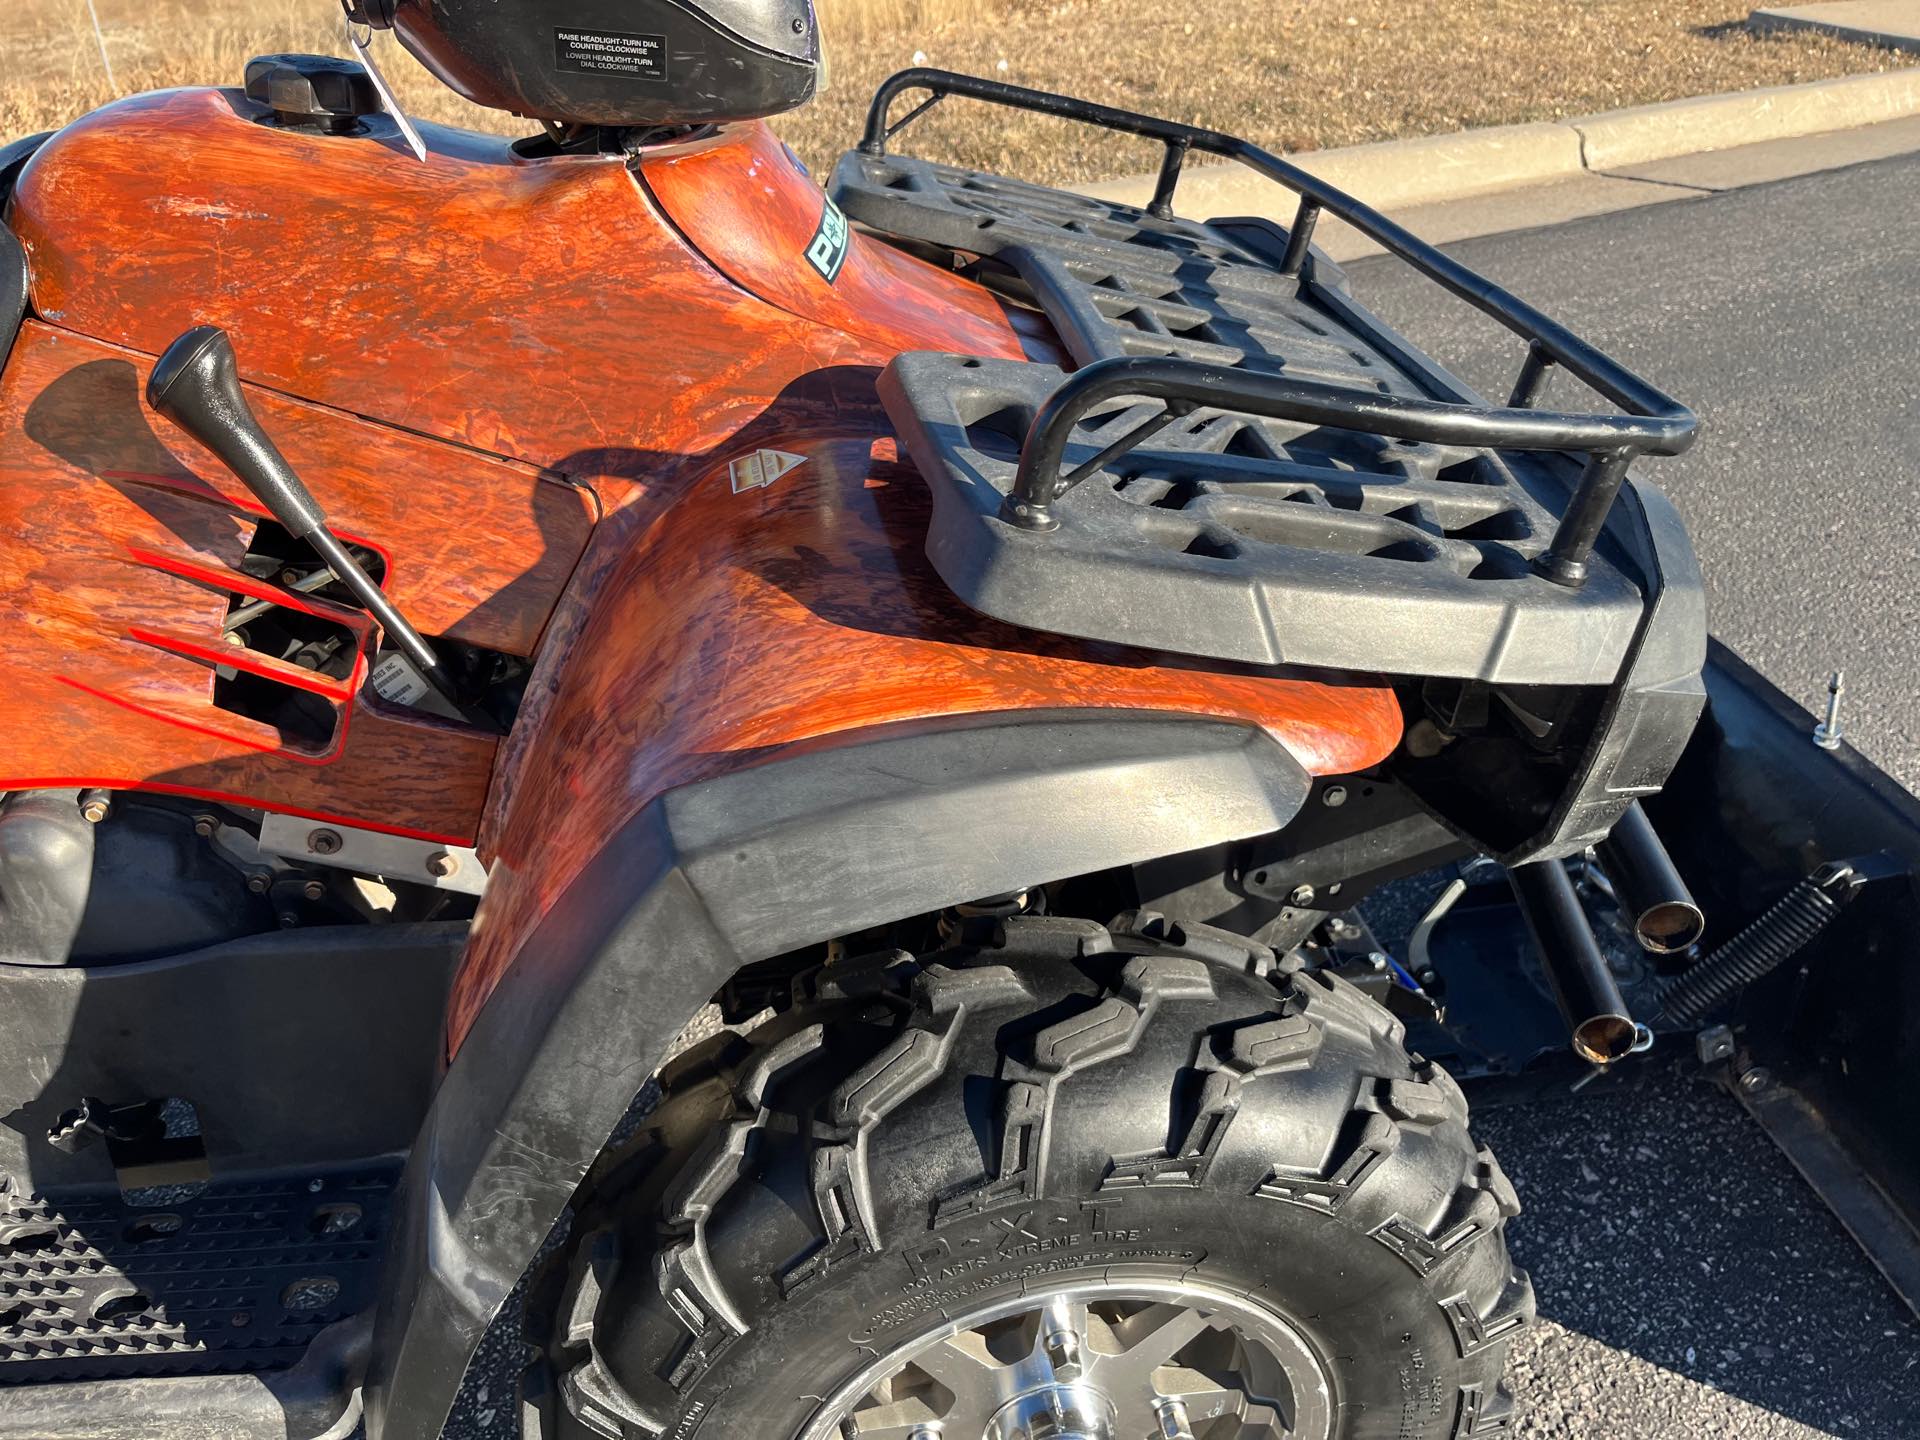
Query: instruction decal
[[611, 52]]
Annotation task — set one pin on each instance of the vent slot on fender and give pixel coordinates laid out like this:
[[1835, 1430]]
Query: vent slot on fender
[[306, 713], [292, 653]]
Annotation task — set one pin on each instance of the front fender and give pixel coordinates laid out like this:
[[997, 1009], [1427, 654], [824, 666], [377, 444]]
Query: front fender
[[897, 820]]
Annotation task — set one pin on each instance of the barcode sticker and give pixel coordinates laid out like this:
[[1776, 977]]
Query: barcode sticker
[[397, 682]]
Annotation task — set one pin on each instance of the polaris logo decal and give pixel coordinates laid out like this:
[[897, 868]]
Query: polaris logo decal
[[827, 251], [761, 469]]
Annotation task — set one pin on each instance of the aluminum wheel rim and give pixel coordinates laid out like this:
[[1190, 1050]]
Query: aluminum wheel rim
[[1109, 1361]]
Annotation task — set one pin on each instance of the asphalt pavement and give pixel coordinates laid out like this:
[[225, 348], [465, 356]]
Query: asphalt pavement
[[1788, 316], [1690, 1284]]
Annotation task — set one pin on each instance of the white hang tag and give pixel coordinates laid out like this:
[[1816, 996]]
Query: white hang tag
[[363, 49]]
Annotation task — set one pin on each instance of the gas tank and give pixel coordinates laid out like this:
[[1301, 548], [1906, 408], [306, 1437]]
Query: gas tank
[[529, 304]]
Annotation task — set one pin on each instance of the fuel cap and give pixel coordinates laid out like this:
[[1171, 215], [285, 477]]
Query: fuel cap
[[313, 92]]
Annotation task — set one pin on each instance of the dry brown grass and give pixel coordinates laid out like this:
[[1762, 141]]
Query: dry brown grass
[[52, 64], [1297, 74], [854, 22], [53, 71], [1307, 74]]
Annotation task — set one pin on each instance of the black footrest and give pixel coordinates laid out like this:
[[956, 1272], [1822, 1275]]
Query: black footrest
[[237, 1277]]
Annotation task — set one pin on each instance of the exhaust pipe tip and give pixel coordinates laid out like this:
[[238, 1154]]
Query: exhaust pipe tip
[[1670, 927], [1603, 1039], [1584, 987], [1649, 889]]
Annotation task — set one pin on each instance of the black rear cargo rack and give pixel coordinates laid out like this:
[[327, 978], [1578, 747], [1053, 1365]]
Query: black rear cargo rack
[[1244, 465], [1654, 422]]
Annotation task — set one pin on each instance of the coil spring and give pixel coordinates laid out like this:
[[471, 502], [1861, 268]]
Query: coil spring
[[1768, 943]]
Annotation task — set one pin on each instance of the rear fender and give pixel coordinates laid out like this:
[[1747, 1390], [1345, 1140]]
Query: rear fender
[[899, 820]]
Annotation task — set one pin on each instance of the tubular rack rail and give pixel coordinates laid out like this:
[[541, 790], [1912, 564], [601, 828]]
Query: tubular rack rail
[[1653, 423]]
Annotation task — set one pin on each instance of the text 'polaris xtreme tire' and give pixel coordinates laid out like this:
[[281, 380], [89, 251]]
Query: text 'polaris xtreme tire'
[[1067, 1181]]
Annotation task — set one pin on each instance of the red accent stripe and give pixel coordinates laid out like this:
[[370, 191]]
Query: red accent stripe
[[220, 577], [221, 797], [194, 488], [252, 661], [151, 712]]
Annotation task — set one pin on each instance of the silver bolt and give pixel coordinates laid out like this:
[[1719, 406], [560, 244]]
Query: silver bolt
[[324, 842], [1302, 895], [204, 826], [441, 864], [1377, 959], [1753, 1081], [1063, 1349], [314, 890], [95, 806], [1827, 733], [1170, 1416], [259, 882], [1714, 1043], [1334, 796]]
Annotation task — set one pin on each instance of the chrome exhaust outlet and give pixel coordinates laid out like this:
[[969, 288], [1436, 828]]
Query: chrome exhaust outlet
[[1653, 897], [1583, 985]]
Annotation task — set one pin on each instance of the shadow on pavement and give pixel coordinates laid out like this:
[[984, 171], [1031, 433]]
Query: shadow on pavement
[[1661, 1223]]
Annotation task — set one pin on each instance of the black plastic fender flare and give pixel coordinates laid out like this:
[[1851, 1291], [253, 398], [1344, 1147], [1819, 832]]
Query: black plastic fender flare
[[14, 285], [707, 878]]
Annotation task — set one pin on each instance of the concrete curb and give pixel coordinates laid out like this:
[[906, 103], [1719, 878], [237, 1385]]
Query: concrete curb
[[1399, 173], [1719, 122]]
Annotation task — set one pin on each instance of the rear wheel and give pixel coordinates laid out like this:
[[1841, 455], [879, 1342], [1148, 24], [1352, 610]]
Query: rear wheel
[[1068, 1182]]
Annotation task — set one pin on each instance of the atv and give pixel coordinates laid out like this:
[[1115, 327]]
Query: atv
[[782, 784]]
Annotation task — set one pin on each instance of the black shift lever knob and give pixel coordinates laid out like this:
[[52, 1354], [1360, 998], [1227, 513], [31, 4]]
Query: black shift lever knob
[[196, 385]]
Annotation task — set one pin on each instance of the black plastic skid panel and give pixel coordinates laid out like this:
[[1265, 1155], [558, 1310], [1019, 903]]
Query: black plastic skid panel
[[13, 284]]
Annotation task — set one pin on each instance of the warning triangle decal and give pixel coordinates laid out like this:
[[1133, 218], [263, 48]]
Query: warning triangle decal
[[762, 468]]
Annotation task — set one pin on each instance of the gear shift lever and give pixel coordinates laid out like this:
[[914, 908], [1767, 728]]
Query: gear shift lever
[[196, 385]]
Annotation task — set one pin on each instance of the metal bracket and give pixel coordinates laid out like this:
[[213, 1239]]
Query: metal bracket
[[143, 1152], [1714, 1044], [368, 852]]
